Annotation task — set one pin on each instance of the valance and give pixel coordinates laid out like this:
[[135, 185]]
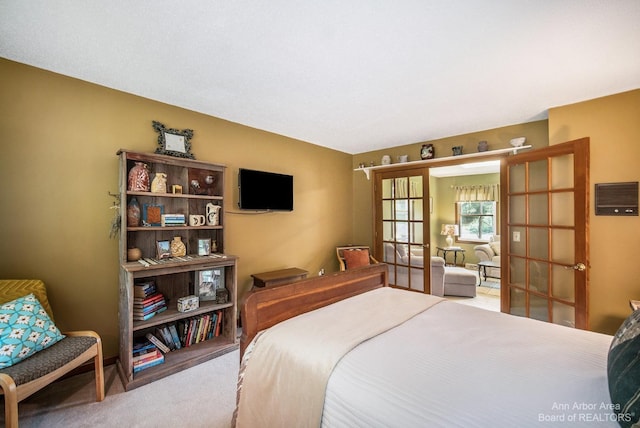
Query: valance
[[477, 192]]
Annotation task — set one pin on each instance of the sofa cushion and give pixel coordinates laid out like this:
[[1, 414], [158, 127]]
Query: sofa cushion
[[495, 246], [356, 257], [623, 371], [25, 328]]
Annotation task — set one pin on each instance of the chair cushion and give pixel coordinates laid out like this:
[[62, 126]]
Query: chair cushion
[[623, 371], [50, 359], [25, 328], [356, 258]]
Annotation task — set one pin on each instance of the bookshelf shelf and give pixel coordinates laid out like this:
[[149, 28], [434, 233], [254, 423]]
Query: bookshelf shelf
[[174, 277]]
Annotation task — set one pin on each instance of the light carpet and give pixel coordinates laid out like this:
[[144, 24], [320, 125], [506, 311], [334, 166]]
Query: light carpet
[[201, 396]]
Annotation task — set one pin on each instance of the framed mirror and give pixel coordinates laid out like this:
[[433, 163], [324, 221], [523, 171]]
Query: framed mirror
[[173, 142]]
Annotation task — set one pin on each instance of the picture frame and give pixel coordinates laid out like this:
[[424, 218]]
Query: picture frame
[[204, 247], [207, 282], [173, 142], [152, 214], [163, 249]]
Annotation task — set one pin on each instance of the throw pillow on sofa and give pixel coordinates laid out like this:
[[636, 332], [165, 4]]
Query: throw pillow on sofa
[[25, 328]]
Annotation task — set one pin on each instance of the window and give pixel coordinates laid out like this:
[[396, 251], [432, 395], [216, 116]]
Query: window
[[476, 220]]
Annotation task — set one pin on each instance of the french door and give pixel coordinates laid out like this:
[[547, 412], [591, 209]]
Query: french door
[[545, 223], [402, 227]]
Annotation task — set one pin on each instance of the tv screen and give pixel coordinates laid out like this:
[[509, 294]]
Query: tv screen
[[261, 190]]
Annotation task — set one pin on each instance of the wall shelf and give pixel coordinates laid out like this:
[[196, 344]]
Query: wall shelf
[[514, 150]]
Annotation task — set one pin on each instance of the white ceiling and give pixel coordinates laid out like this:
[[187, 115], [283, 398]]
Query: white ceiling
[[354, 75]]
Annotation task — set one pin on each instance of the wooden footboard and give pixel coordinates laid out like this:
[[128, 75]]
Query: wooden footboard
[[267, 307]]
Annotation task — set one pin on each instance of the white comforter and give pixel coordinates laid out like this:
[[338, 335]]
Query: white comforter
[[450, 365], [458, 366]]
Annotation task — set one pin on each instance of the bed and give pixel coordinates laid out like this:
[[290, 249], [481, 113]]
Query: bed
[[347, 350]]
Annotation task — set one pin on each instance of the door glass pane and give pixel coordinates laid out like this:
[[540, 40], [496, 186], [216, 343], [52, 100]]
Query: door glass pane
[[415, 213], [564, 314], [562, 172], [387, 210], [518, 272], [563, 249], [538, 243], [516, 178], [538, 179], [539, 277], [563, 283], [517, 209], [538, 308], [387, 231], [402, 231], [402, 212], [417, 282], [401, 188], [538, 209], [415, 186], [417, 233], [387, 189], [518, 302], [562, 209]]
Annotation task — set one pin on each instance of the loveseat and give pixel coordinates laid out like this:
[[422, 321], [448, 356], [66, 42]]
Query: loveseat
[[490, 252]]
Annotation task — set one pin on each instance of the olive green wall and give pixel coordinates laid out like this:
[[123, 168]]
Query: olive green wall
[[613, 125], [498, 138], [59, 142]]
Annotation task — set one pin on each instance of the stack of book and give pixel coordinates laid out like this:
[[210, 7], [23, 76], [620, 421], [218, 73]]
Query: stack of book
[[173, 220], [147, 301], [145, 355]]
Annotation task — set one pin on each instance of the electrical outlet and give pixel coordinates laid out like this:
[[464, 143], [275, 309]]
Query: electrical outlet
[[516, 236]]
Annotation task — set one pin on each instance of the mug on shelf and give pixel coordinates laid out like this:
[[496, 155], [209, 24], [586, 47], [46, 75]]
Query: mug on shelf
[[196, 220]]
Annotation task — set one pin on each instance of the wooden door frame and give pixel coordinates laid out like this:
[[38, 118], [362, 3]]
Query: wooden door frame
[[580, 149], [401, 171]]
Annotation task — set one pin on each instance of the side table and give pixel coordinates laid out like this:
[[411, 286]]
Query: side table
[[454, 250], [277, 277]]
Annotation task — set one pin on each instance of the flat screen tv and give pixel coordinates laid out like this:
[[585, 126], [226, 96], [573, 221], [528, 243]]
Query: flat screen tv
[[261, 190]]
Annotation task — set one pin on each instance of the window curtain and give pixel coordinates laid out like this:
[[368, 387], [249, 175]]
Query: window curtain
[[478, 192]]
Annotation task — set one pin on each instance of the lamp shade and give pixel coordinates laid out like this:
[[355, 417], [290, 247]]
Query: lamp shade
[[449, 229]]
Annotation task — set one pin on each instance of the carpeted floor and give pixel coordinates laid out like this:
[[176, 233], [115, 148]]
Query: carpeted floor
[[201, 396]]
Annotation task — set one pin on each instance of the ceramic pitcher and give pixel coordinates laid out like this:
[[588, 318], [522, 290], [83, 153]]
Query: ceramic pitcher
[[213, 214]]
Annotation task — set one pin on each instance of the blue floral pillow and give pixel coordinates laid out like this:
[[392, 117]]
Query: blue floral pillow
[[25, 328]]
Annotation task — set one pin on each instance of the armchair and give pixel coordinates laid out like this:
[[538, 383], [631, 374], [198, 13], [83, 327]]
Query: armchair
[[490, 253], [23, 378], [351, 256]]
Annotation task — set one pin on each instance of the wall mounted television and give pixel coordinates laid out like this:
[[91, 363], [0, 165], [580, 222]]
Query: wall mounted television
[[261, 190]]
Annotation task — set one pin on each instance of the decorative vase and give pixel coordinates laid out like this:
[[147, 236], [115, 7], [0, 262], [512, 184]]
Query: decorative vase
[[133, 213], [139, 178], [178, 249], [427, 151], [483, 146], [159, 183], [134, 254]]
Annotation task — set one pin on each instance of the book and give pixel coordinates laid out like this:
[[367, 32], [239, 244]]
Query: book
[[150, 308], [148, 300], [147, 364], [149, 356], [143, 290], [149, 315], [165, 336], [161, 346], [174, 335]]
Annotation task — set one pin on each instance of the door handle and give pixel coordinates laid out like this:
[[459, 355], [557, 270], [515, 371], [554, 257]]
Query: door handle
[[580, 267]]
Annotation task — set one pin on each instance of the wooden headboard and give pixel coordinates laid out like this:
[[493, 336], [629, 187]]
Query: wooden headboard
[[269, 306]]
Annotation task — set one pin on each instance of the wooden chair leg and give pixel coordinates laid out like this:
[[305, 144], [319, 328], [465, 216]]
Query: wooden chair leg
[[99, 369], [10, 401]]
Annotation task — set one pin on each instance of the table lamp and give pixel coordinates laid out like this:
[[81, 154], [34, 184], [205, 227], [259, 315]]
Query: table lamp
[[450, 230]]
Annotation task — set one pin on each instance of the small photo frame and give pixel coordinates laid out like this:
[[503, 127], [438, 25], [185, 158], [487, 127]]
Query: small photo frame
[[176, 189], [204, 247], [173, 142], [163, 249], [208, 281], [152, 214]]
